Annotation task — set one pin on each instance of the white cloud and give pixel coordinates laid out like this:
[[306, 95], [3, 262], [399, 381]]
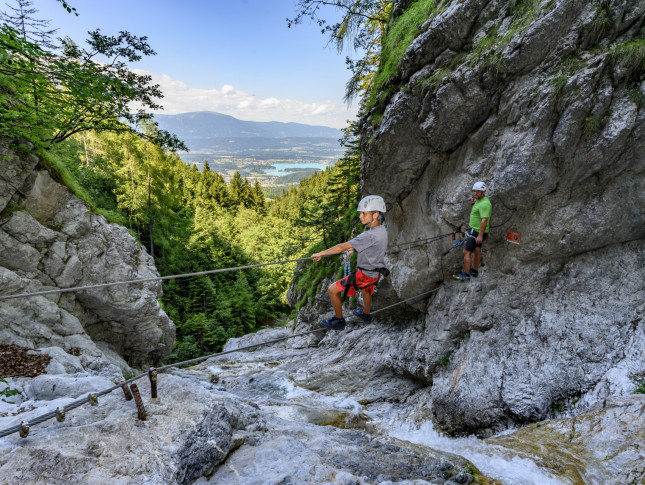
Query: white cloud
[[181, 98], [270, 103]]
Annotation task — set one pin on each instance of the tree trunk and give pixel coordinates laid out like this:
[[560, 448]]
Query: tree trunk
[[87, 158]]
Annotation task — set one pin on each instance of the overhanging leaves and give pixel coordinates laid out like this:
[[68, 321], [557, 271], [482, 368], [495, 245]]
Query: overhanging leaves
[[46, 98]]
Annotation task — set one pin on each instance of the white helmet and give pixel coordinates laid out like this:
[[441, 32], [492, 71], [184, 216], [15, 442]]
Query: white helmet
[[371, 203], [479, 186]]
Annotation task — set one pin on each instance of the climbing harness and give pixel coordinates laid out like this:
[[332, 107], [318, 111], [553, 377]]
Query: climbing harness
[[470, 233], [351, 279]]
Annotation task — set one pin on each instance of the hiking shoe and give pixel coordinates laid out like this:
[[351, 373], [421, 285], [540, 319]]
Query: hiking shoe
[[474, 273], [366, 317], [462, 276], [334, 323]]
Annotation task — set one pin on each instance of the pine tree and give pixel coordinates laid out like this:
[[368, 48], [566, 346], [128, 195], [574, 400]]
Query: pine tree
[[236, 189], [259, 203], [30, 28]]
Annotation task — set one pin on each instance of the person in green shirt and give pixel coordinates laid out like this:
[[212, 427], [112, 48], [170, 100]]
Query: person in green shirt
[[479, 226]]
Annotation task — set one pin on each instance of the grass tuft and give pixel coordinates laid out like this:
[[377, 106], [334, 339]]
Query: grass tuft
[[398, 38], [445, 360], [631, 56], [602, 21], [640, 386]]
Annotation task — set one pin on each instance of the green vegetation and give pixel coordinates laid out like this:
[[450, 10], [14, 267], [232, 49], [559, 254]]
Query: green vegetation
[[361, 26], [394, 44], [73, 107], [486, 51], [631, 56], [47, 98], [445, 360], [192, 221], [567, 68], [7, 392], [558, 407], [602, 20], [559, 84], [376, 119], [640, 386], [637, 96], [589, 125]]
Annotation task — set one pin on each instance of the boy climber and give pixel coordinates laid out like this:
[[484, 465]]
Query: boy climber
[[479, 226], [371, 246]]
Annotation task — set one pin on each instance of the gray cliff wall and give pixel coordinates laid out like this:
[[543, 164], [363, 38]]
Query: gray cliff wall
[[554, 123], [551, 318], [49, 239]]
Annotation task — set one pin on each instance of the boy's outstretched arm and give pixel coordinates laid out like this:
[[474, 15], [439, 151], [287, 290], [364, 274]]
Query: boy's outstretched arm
[[337, 249]]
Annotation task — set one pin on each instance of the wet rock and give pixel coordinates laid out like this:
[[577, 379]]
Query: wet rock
[[598, 446]]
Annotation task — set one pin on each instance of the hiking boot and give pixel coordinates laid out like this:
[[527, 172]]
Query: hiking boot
[[474, 273], [334, 323], [366, 317], [462, 276]]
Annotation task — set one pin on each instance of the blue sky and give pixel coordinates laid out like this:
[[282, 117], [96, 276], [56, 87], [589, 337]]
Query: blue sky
[[236, 57]]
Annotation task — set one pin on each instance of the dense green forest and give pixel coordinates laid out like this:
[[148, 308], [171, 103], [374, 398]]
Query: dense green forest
[[193, 221], [73, 106]]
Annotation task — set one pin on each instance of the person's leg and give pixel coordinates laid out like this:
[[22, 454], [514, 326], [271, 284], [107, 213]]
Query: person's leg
[[467, 261], [478, 258], [334, 296], [367, 301]]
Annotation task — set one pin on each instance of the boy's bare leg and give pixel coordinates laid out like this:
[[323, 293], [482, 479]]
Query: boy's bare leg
[[367, 301], [334, 296]]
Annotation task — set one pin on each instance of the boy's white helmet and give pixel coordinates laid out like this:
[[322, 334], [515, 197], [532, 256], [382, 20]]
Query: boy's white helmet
[[371, 203], [479, 186]]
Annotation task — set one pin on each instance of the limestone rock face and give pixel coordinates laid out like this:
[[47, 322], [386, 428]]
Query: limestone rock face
[[230, 420], [599, 446], [188, 432], [552, 120], [49, 239]]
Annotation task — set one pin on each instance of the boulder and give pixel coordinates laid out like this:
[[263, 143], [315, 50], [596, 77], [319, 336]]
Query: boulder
[[50, 239]]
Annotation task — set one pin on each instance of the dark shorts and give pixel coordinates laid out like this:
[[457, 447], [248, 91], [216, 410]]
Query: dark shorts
[[363, 281], [471, 240]]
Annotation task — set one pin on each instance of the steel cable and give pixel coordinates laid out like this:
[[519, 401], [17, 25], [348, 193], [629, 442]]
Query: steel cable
[[85, 400], [157, 278]]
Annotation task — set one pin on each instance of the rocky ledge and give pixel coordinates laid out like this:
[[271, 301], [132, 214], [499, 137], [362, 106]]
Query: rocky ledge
[[542, 100], [49, 239]]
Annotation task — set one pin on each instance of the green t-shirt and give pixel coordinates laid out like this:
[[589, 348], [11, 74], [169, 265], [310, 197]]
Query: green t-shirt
[[481, 208]]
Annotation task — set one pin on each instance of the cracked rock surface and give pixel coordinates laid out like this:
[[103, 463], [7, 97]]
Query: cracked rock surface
[[49, 239]]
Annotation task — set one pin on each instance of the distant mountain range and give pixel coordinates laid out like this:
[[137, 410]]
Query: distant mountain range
[[225, 141], [203, 125]]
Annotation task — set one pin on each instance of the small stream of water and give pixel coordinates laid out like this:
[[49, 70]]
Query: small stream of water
[[294, 403], [493, 461]]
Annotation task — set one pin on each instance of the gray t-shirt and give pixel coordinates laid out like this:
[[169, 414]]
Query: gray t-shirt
[[371, 246]]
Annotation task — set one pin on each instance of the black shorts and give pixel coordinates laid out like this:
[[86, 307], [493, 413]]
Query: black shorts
[[471, 240]]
